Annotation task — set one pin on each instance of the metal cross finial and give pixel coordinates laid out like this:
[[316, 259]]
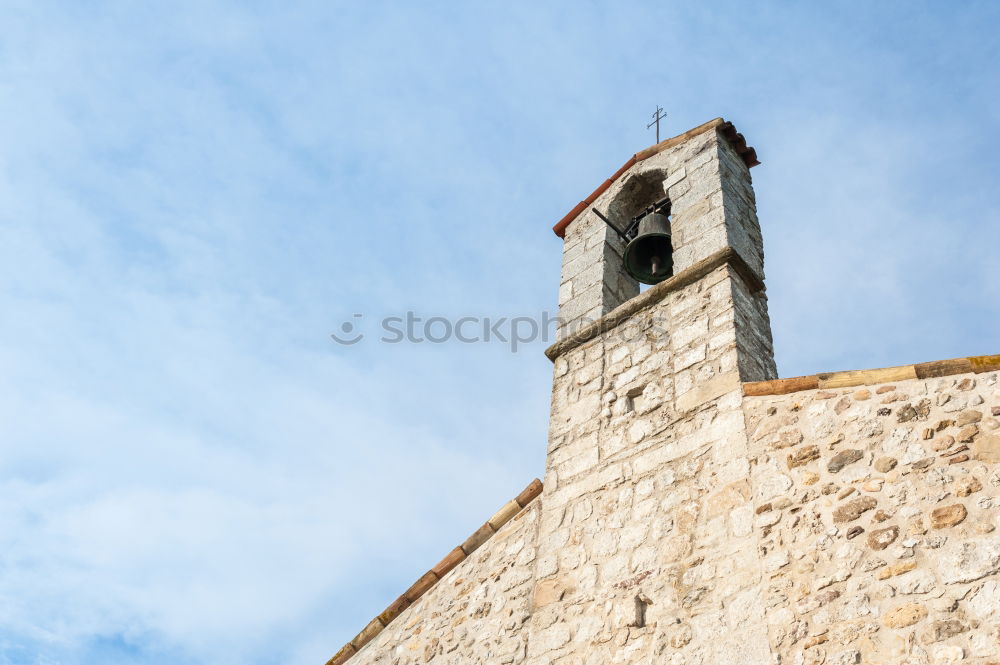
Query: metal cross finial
[[656, 121]]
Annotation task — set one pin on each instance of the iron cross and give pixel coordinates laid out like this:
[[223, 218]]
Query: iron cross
[[656, 121]]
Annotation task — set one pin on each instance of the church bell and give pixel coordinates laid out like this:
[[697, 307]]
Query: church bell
[[648, 251], [649, 256]]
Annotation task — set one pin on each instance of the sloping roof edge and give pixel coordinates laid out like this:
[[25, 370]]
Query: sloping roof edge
[[868, 377], [509, 511], [727, 129]]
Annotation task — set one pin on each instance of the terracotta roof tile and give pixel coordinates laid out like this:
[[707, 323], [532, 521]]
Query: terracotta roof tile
[[432, 576], [727, 130], [868, 377]]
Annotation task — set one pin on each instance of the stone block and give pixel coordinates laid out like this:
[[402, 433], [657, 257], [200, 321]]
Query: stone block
[[707, 391], [969, 560], [987, 448], [882, 538], [852, 510], [904, 615], [986, 601], [946, 516], [842, 459], [802, 455], [885, 464]]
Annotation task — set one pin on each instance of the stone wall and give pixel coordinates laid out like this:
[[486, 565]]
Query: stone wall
[[740, 207], [593, 280], [647, 551], [691, 525], [754, 343], [877, 510], [475, 614]]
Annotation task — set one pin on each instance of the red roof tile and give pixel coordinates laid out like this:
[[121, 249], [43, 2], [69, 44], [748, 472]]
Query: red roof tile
[[726, 128]]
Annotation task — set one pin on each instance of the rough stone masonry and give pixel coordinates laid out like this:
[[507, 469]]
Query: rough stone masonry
[[698, 511]]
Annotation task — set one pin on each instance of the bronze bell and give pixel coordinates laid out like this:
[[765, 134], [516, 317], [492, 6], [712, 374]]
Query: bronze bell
[[649, 256]]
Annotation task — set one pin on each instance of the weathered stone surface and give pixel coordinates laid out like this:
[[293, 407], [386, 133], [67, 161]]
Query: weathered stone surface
[[942, 630], [852, 510], [897, 569], [885, 464], [842, 459], [904, 615], [943, 443], [549, 591], [948, 654], [945, 516], [968, 486], [967, 434], [927, 553], [969, 560], [802, 456], [881, 539], [920, 582], [986, 601], [969, 417], [987, 449], [789, 437], [845, 657]]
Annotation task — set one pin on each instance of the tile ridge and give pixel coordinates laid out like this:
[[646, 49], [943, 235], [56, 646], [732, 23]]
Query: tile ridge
[[865, 377], [726, 128], [426, 581]]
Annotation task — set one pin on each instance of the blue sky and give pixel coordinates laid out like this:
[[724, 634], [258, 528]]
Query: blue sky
[[193, 196]]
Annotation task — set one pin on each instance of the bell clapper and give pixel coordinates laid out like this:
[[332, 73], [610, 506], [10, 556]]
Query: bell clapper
[[656, 265]]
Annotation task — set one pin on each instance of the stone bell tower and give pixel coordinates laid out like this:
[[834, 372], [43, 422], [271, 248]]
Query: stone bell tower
[[647, 473], [696, 510]]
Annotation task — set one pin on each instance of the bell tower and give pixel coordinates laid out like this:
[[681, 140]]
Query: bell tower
[[695, 509], [703, 176], [647, 482]]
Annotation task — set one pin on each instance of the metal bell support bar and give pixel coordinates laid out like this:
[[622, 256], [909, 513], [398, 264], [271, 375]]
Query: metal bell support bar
[[662, 206]]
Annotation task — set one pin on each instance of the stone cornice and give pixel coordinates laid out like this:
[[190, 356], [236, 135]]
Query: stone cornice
[[653, 295]]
